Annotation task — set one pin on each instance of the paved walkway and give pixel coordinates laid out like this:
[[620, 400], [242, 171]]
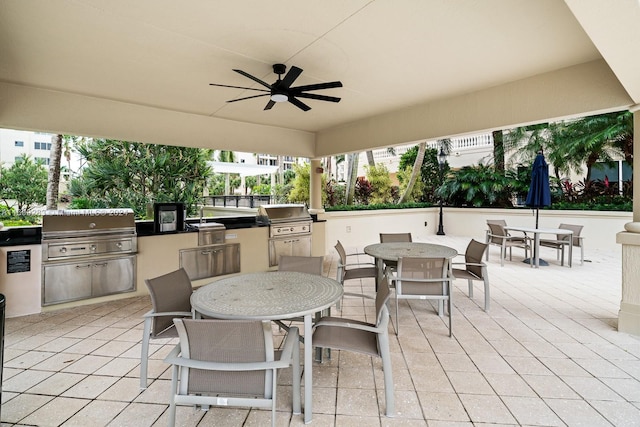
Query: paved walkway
[[546, 354]]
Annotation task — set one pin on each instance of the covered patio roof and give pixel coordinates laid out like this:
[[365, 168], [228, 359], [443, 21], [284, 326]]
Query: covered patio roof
[[411, 70]]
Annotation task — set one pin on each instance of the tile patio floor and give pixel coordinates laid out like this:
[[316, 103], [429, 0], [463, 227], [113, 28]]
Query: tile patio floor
[[546, 354]]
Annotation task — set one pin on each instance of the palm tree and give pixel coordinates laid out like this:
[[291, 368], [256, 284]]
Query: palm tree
[[415, 172], [53, 182]]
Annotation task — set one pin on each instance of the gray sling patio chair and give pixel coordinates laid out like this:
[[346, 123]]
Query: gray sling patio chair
[[391, 266], [230, 363], [562, 242], [170, 297], [423, 279], [371, 339], [300, 264], [474, 269], [498, 236], [349, 268]]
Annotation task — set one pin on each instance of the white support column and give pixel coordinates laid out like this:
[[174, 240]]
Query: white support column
[[315, 186], [629, 314]]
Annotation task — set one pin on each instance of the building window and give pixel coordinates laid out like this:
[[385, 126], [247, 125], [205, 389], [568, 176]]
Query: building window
[[42, 145], [43, 160], [19, 144]]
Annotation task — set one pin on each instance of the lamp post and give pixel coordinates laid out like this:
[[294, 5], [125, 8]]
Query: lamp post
[[442, 158]]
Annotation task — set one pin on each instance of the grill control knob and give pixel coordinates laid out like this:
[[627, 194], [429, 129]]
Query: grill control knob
[[278, 230], [93, 248], [63, 250]]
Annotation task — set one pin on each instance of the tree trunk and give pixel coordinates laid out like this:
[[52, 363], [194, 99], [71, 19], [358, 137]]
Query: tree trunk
[[53, 184], [498, 150], [417, 168], [352, 175], [370, 159]]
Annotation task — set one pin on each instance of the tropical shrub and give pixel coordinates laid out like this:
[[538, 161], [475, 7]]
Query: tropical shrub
[[378, 177]]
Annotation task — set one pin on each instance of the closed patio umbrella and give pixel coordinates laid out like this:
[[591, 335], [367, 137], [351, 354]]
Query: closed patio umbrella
[[539, 194]]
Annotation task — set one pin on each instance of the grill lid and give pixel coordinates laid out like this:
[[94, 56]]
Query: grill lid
[[87, 220], [268, 214]]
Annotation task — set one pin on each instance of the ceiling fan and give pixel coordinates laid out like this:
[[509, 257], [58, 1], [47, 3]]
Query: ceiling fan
[[281, 90]]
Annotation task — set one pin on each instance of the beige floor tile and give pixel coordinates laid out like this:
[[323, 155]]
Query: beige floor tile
[[356, 378], [457, 362], [55, 412], [620, 414], [125, 390], [119, 367], [25, 380], [356, 421], [470, 383], [138, 415], [431, 380], [527, 365], [28, 360], [590, 388], [628, 388], [87, 364], [548, 386], [324, 400], [577, 413], [509, 385], [90, 387], [57, 384], [356, 402], [602, 368], [407, 404], [491, 364], [21, 406], [486, 409], [564, 366], [442, 407], [531, 411]]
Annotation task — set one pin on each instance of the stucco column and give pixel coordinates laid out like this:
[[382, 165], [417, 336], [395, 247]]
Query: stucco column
[[629, 314], [315, 187]]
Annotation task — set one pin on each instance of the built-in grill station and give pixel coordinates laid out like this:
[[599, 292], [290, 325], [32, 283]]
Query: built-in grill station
[[213, 256], [289, 230], [87, 253]]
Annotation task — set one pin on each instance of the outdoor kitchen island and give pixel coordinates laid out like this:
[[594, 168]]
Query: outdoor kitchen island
[[157, 254]]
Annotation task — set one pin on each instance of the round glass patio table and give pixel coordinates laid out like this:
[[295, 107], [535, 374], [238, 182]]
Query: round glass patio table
[[272, 295]]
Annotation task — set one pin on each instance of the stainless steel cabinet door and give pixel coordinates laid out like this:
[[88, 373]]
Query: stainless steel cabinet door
[[111, 276], [210, 261], [296, 246], [66, 282]]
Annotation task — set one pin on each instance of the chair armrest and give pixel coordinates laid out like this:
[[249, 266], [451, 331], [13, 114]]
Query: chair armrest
[[353, 294], [474, 264], [168, 313], [348, 324]]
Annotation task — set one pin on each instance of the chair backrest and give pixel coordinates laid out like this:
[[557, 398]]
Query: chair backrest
[[169, 292], [500, 222], [422, 276], [301, 264], [395, 237], [226, 341], [497, 232], [473, 255], [341, 253], [577, 229]]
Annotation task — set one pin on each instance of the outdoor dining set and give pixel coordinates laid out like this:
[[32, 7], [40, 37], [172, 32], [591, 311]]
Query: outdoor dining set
[[227, 354]]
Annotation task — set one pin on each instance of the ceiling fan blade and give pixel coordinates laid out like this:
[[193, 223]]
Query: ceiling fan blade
[[319, 97], [255, 79], [270, 104], [248, 97], [301, 105], [238, 87], [317, 86], [292, 75]]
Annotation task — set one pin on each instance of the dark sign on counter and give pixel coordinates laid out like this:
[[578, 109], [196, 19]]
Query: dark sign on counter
[[19, 261]]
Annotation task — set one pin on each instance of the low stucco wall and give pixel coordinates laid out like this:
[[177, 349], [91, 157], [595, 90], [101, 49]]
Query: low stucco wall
[[360, 228]]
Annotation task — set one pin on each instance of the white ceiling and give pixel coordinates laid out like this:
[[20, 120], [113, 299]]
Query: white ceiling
[[140, 70]]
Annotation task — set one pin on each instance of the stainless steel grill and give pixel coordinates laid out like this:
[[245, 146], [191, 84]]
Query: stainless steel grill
[[87, 253], [289, 230]]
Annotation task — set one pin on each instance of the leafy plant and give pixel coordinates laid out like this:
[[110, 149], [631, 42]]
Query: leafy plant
[[378, 177], [25, 184], [478, 186]]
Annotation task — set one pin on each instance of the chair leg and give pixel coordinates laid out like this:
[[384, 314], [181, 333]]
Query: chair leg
[[470, 288], [396, 327], [581, 255], [450, 314], [487, 296], [296, 380], [172, 399], [144, 353], [383, 342]]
